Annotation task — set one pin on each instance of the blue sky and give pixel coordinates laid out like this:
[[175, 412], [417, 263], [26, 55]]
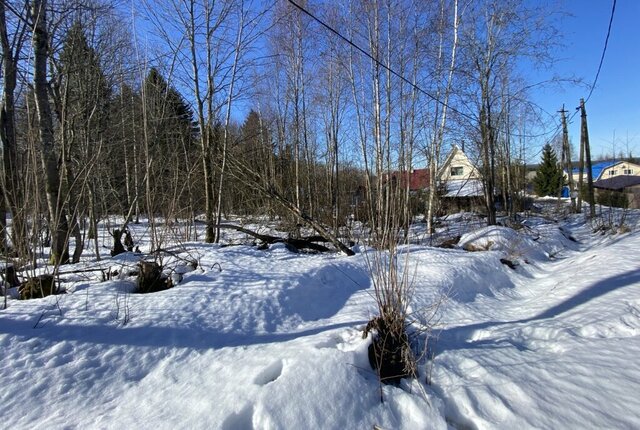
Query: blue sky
[[614, 106]]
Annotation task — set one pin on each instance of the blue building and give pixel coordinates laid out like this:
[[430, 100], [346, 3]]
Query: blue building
[[596, 171]]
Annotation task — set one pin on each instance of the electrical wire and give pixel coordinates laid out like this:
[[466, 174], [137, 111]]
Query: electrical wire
[[380, 63], [604, 51], [470, 118]]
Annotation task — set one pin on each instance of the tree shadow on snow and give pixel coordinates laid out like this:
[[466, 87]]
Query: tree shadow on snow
[[154, 337], [458, 337], [324, 292]]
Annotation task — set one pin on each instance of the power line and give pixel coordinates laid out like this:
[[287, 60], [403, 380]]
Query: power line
[[398, 75], [470, 118], [604, 50], [380, 63]]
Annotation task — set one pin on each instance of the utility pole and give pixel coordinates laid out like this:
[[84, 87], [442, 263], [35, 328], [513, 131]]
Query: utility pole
[[562, 166], [566, 151], [580, 175], [584, 142]]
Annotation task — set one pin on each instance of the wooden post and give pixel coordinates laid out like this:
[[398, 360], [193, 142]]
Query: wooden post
[[584, 140], [580, 175], [562, 166], [567, 154]]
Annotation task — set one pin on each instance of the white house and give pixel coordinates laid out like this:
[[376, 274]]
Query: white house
[[459, 177], [619, 168], [457, 166], [606, 170]]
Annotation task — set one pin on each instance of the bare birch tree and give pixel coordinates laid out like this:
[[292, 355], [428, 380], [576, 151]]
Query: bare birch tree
[[496, 36], [440, 116]]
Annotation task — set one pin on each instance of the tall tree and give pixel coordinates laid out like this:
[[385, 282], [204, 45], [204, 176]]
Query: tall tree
[[82, 103], [10, 183], [440, 115], [168, 123], [332, 100], [497, 36], [58, 218]]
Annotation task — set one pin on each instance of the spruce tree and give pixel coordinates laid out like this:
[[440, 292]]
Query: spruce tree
[[549, 178]]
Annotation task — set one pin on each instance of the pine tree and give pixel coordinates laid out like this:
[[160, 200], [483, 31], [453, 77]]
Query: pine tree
[[550, 177]]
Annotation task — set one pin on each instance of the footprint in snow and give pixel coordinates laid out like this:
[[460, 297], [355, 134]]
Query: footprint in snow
[[243, 419], [269, 374]]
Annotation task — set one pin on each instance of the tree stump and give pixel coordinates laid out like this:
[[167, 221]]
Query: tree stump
[[118, 248], [128, 240], [9, 276], [151, 279]]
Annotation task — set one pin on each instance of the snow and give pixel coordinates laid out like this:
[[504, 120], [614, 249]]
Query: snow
[[273, 339]]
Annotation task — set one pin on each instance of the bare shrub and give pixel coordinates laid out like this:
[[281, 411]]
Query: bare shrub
[[38, 287], [390, 352], [122, 310]]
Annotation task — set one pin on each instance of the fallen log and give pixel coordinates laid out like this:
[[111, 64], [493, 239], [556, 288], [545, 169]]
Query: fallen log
[[268, 239], [249, 177]]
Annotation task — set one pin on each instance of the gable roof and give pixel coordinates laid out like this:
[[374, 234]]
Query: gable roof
[[615, 163], [617, 182], [596, 168], [450, 157]]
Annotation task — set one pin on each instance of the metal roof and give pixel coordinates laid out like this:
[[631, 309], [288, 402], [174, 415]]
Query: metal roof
[[596, 168]]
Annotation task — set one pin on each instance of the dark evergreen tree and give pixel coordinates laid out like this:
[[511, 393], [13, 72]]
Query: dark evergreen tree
[[254, 151], [124, 152], [170, 117], [82, 107], [550, 177], [85, 93], [170, 135]]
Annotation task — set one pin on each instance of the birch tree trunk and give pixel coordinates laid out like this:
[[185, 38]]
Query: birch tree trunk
[[436, 145], [227, 120]]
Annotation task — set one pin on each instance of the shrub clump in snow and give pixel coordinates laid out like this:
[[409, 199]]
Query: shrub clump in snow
[[390, 352], [38, 287]]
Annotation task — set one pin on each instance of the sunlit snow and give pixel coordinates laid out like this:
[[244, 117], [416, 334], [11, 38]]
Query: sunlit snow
[[273, 339]]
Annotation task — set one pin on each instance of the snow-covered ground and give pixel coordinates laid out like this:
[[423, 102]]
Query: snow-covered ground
[[273, 339]]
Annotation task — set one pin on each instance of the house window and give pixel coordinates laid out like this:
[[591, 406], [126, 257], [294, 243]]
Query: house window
[[628, 171], [457, 171], [612, 172]]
